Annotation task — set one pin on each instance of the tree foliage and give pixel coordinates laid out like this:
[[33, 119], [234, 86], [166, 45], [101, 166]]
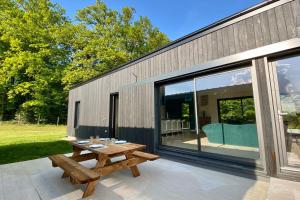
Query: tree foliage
[[42, 53], [33, 57], [105, 39], [237, 111]]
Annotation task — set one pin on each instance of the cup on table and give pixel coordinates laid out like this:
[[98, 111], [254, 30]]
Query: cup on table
[[92, 139], [113, 140], [97, 140]]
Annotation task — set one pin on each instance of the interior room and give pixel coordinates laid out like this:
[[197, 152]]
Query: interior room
[[225, 114]]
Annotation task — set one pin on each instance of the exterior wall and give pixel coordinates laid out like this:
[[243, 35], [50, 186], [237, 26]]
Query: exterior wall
[[263, 26]]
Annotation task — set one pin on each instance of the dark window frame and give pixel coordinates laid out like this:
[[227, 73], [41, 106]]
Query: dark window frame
[[76, 114], [113, 97]]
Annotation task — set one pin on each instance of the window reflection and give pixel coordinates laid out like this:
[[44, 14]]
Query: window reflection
[[178, 115], [226, 114], [227, 117], [288, 71]]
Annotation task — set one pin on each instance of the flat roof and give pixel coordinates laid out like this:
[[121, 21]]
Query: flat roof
[[178, 42]]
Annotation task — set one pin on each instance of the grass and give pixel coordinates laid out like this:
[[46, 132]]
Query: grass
[[27, 142]]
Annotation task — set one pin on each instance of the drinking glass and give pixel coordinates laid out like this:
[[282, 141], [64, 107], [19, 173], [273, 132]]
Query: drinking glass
[[92, 139]]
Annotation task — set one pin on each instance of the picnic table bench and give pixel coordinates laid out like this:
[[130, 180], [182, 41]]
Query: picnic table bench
[[77, 172], [80, 174]]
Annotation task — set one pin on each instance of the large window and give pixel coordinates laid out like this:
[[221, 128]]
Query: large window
[[223, 112]]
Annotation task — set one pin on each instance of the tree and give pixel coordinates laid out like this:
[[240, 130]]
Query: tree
[[106, 38], [33, 56], [42, 53]]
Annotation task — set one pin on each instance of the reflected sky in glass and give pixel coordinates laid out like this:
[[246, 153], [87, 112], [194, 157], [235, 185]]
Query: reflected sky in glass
[[288, 73], [230, 78], [179, 88]]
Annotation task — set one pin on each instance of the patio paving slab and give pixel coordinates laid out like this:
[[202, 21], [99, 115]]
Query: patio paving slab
[[283, 189], [160, 180]]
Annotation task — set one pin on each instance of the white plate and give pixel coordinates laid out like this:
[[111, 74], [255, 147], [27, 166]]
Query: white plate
[[96, 145], [104, 139], [83, 142], [120, 142]]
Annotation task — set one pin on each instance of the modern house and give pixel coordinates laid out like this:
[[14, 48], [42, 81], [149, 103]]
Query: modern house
[[227, 95]]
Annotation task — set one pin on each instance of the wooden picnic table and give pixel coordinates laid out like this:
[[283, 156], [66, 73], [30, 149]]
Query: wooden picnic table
[[131, 153], [103, 156]]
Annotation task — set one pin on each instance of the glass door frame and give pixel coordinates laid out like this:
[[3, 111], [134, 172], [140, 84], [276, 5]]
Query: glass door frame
[[279, 136], [196, 114], [261, 163]]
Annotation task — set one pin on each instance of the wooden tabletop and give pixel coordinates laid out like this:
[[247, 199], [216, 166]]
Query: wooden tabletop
[[110, 149]]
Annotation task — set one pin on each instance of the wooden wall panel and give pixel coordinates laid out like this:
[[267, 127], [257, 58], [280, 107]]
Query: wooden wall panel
[[231, 40], [258, 31], [214, 45], [273, 26], [174, 59], [289, 21], [220, 43], [136, 100], [265, 29], [243, 35], [250, 33], [206, 48], [296, 15], [196, 52], [236, 38], [225, 41], [281, 23]]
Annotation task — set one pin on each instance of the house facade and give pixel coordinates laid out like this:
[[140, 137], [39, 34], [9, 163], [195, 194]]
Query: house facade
[[226, 96]]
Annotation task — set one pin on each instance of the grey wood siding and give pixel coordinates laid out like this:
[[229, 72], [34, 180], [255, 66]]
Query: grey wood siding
[[136, 102]]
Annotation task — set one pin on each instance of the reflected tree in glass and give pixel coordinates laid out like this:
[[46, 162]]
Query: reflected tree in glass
[[237, 111]]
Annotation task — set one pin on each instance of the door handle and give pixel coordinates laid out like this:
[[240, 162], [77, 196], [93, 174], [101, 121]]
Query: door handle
[[282, 113]]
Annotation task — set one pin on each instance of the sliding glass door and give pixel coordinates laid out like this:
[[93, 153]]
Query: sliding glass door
[[226, 114], [286, 97], [177, 114], [213, 113]]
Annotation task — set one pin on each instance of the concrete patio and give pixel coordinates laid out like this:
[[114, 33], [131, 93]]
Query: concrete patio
[[162, 179]]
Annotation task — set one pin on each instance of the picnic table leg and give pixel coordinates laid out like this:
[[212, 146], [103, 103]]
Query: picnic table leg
[[90, 188], [64, 175], [134, 169], [108, 162], [101, 162], [76, 151]]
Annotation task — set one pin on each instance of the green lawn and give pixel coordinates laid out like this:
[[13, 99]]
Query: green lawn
[[26, 142]]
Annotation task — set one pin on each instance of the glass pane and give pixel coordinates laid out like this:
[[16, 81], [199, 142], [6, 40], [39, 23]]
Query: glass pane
[[226, 114], [237, 111], [288, 71], [178, 115]]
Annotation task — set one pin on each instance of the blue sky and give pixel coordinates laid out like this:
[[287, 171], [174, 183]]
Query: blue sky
[[176, 18]]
